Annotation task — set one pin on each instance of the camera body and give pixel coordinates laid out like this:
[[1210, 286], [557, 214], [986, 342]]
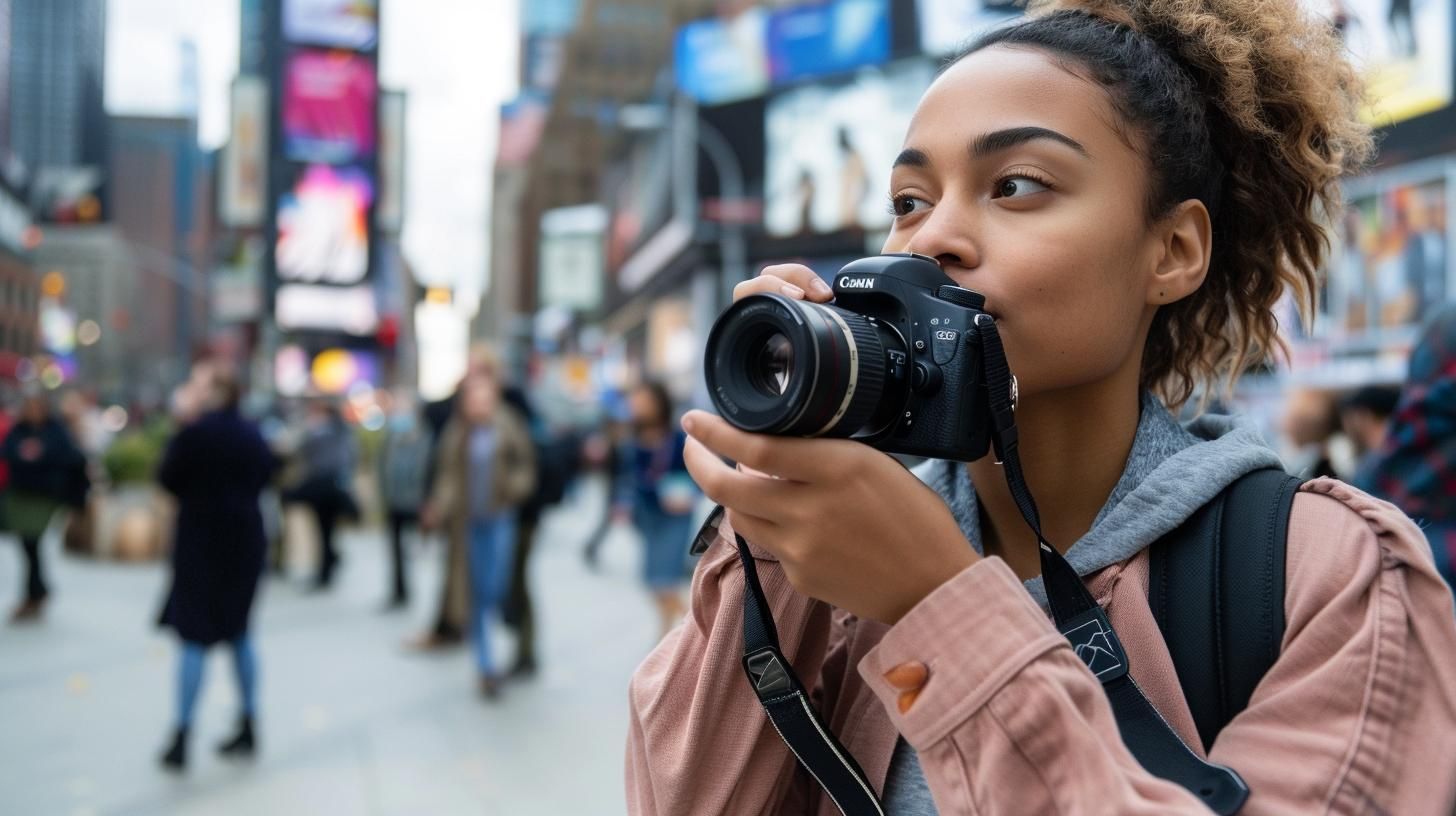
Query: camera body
[[895, 362]]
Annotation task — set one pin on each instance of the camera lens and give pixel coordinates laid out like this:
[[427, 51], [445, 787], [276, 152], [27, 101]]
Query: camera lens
[[772, 365], [791, 367]]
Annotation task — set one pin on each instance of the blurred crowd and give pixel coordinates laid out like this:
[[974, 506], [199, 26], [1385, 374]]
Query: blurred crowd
[[476, 472], [245, 494]]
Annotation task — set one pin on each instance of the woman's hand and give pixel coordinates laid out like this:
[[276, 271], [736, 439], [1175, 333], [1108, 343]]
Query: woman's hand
[[850, 525], [791, 280]]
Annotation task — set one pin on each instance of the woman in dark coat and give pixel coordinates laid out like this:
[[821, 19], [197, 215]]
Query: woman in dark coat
[[216, 467], [46, 472]]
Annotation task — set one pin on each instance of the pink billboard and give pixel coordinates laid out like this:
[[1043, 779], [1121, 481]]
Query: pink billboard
[[328, 107]]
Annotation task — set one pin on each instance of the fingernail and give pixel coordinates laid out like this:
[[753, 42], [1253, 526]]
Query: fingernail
[[791, 290], [687, 423], [821, 288]]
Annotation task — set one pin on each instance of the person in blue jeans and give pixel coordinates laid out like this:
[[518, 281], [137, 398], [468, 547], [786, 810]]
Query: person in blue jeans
[[661, 496], [486, 470]]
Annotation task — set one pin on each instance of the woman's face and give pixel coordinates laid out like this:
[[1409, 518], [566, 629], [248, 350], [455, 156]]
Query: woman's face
[[1013, 177]]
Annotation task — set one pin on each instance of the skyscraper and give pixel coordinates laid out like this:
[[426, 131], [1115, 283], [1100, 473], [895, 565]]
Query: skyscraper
[[57, 122]]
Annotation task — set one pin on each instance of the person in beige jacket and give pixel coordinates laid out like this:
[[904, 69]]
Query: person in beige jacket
[[1133, 185], [485, 470]]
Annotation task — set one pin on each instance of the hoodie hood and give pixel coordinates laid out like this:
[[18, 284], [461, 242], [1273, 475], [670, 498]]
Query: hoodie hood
[[1172, 470]]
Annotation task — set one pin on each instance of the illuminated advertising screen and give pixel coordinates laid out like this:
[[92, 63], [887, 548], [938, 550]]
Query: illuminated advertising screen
[[827, 38], [1394, 267], [323, 226], [328, 107], [830, 148], [338, 23], [720, 60], [1403, 48], [946, 25]]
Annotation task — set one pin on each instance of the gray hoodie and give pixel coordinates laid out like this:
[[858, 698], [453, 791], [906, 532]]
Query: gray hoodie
[[1171, 471]]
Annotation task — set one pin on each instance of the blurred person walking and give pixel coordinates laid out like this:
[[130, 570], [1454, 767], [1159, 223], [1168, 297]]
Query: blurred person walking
[[1415, 467], [404, 471], [608, 447], [486, 469], [1365, 419], [47, 471], [448, 629], [328, 454], [661, 496], [216, 466]]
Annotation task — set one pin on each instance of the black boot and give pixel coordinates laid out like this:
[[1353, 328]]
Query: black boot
[[242, 744], [176, 757]]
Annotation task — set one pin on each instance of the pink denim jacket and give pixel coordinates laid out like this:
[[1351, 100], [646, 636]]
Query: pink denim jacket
[[1358, 715]]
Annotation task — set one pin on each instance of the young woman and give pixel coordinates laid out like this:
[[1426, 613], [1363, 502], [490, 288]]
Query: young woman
[[1131, 185], [216, 466], [660, 496]]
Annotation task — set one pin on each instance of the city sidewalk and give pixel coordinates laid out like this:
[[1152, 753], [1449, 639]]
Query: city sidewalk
[[351, 722]]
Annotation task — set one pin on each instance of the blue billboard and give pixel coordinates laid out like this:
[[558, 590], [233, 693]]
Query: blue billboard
[[717, 60], [827, 38]]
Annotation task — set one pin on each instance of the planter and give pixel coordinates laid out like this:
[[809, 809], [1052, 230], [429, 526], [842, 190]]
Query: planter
[[133, 522]]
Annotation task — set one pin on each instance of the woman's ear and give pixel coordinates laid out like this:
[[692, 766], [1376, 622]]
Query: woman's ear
[[1186, 247]]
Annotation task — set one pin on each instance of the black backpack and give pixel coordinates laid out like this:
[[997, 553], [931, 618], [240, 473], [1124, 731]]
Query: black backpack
[[1216, 588]]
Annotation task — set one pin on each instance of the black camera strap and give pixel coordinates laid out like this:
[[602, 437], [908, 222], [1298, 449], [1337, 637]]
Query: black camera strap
[[1078, 617]]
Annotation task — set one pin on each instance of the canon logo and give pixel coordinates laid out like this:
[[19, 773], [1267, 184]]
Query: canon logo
[[856, 283]]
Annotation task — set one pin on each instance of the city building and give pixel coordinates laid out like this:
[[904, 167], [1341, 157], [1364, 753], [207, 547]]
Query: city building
[[55, 121]]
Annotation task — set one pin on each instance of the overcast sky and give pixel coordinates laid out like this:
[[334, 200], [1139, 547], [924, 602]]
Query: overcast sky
[[456, 59]]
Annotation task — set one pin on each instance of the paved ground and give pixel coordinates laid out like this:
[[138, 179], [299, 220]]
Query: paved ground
[[351, 722]]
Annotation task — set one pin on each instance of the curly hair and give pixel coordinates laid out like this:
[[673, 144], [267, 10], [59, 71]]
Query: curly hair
[[1249, 106]]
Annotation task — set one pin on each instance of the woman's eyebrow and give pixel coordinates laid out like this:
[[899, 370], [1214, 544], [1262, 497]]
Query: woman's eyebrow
[[910, 157], [998, 140], [994, 142]]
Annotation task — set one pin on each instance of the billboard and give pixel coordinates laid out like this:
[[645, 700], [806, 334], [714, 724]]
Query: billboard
[[310, 307], [1403, 48], [827, 38], [946, 25], [389, 214], [721, 60], [830, 148], [336, 23], [571, 258], [1394, 266], [243, 185], [323, 226], [328, 107]]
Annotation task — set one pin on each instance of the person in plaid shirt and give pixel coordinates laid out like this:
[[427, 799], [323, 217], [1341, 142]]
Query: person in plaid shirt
[[1416, 468]]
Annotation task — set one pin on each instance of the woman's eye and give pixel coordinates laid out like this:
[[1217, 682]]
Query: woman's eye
[[1019, 186], [905, 204]]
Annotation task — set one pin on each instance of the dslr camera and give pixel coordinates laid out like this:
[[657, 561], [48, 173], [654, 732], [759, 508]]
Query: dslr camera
[[895, 362]]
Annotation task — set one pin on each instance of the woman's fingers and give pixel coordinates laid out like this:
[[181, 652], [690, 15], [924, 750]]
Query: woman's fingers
[[732, 488], [786, 457], [791, 280]]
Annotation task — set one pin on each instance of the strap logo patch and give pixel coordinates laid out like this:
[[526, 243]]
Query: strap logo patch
[[1097, 646]]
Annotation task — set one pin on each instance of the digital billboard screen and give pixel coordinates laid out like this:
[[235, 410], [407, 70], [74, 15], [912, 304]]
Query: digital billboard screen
[[323, 226], [339, 23], [329, 100]]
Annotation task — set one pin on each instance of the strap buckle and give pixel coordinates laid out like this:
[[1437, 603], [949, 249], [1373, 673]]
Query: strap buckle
[[766, 672]]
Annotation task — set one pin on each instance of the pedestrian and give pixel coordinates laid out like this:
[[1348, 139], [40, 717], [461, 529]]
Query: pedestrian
[[448, 628], [328, 455], [216, 467], [661, 498], [1365, 419], [486, 470], [1415, 466], [404, 462], [608, 448], [1310, 421], [47, 472], [1133, 186]]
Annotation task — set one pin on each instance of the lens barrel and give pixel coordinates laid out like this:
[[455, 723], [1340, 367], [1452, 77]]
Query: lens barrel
[[794, 368]]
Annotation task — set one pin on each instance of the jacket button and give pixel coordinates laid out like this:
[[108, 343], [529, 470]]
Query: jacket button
[[908, 678]]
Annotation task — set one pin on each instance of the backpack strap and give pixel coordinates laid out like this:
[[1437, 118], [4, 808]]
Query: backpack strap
[[1216, 588]]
